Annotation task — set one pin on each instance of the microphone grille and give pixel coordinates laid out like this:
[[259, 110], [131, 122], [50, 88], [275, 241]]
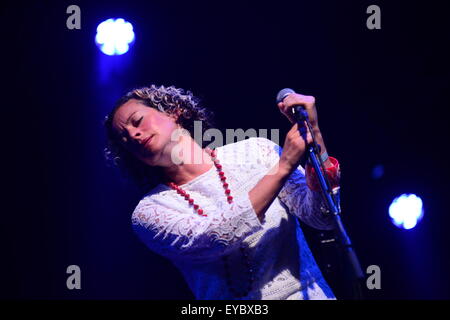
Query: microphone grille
[[283, 94]]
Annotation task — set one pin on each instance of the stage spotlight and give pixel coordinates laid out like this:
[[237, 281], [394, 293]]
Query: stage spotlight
[[114, 36], [406, 211]]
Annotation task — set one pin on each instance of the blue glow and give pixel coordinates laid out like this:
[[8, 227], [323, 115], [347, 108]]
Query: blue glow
[[406, 211], [114, 36], [377, 171]]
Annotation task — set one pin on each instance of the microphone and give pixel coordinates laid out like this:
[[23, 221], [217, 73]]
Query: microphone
[[301, 116], [298, 112]]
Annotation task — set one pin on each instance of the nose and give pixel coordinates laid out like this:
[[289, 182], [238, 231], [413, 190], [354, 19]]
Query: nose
[[135, 135]]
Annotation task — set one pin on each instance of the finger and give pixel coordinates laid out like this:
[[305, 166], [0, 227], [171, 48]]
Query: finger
[[299, 99], [302, 130], [293, 99], [309, 139], [292, 132], [284, 109]]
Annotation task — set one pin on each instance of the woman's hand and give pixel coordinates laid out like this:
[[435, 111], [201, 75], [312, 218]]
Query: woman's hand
[[294, 148], [295, 99], [294, 142]]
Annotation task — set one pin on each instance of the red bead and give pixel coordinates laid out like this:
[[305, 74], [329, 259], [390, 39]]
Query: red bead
[[222, 177]]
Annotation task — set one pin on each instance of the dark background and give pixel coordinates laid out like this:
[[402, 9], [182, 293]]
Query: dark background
[[382, 97]]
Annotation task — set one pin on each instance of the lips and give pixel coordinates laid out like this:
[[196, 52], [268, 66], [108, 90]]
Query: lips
[[146, 141]]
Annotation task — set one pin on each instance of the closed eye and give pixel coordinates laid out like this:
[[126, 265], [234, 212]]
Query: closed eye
[[124, 136], [137, 122]]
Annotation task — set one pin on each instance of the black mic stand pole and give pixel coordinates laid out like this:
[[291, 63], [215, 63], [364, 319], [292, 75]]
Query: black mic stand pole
[[331, 198]]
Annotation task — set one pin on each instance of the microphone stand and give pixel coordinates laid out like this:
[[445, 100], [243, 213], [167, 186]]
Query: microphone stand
[[331, 198]]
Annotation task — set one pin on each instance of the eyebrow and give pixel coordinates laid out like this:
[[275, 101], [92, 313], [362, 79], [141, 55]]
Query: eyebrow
[[128, 121]]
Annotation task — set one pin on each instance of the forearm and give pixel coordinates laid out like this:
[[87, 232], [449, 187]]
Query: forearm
[[319, 139], [266, 190], [331, 167]]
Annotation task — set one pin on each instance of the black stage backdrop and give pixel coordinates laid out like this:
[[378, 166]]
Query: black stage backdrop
[[382, 97]]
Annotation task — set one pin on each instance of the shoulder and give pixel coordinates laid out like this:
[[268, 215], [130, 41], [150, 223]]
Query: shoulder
[[267, 144], [251, 144], [148, 206], [143, 212], [252, 151]]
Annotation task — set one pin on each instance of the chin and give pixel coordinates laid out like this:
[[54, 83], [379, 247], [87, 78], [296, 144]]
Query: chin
[[148, 160]]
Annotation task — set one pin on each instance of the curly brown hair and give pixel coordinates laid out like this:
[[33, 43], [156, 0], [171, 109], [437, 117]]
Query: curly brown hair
[[169, 100]]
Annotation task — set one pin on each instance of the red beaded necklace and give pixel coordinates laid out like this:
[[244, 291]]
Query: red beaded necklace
[[188, 198], [196, 207]]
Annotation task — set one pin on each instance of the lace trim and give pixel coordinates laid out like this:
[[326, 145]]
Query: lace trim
[[301, 201], [183, 235]]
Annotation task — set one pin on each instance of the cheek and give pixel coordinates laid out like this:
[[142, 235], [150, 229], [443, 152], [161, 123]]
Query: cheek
[[166, 127], [161, 125], [147, 125]]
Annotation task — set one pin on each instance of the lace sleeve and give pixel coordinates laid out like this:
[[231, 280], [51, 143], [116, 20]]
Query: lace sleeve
[[185, 235], [296, 195]]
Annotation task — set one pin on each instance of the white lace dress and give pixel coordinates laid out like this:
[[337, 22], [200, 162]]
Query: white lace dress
[[282, 265]]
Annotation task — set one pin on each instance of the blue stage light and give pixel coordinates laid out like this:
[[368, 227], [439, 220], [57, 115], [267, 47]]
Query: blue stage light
[[377, 172], [406, 211], [114, 36]]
